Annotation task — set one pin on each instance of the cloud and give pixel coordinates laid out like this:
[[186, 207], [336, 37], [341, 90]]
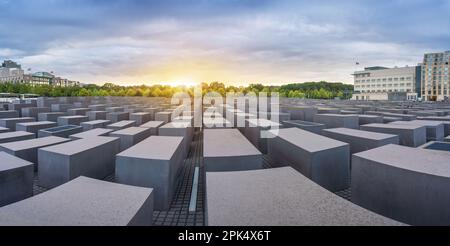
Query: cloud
[[236, 41]]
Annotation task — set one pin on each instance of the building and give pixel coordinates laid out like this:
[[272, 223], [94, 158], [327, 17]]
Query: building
[[12, 72], [382, 83], [435, 80]]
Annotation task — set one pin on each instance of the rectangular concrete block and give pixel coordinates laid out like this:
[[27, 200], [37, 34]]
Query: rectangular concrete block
[[91, 133], [16, 179], [337, 120], [361, 140], [258, 132], [410, 135], [279, 197], [27, 149], [15, 136], [163, 116], [77, 111], [369, 119], [121, 125], [117, 116], [229, 150], [179, 129], [91, 157], [97, 107], [96, 115], [403, 183], [53, 116], [19, 106], [34, 111], [154, 126], [141, 118], [130, 136], [83, 202], [305, 125], [34, 127], [10, 123], [61, 107], [9, 114], [324, 160], [434, 129], [89, 125], [114, 109], [60, 131], [154, 162], [72, 120]]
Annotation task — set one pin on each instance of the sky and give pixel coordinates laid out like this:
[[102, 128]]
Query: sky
[[233, 41]]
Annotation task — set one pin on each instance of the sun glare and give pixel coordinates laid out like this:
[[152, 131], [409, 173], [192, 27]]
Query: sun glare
[[182, 82]]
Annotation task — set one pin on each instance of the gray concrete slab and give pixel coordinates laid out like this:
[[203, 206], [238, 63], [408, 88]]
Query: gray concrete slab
[[72, 120], [406, 184], [361, 140], [121, 125], [115, 117], [229, 150], [163, 116], [96, 115], [324, 160], [369, 119], [179, 129], [154, 126], [34, 111], [53, 116], [10, 123], [91, 133], [61, 107], [27, 149], [115, 109], [279, 197], [16, 179], [387, 119], [4, 129], [141, 117], [19, 106], [89, 125], [15, 136], [97, 107], [83, 202], [92, 157], [34, 127], [9, 114], [258, 132], [77, 111], [435, 129], [154, 162], [131, 136], [410, 135], [305, 125], [60, 131], [337, 120]]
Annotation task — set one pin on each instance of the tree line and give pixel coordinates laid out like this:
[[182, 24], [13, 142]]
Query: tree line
[[310, 90]]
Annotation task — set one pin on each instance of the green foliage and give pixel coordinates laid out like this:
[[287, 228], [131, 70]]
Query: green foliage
[[312, 90]]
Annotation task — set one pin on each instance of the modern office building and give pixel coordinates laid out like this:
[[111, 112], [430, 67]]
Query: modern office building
[[382, 83], [435, 82]]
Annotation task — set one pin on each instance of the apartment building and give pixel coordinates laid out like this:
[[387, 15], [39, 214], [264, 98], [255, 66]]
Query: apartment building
[[435, 82]]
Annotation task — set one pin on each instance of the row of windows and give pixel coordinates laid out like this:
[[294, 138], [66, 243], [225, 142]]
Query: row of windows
[[434, 93], [385, 79], [382, 85], [395, 90]]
